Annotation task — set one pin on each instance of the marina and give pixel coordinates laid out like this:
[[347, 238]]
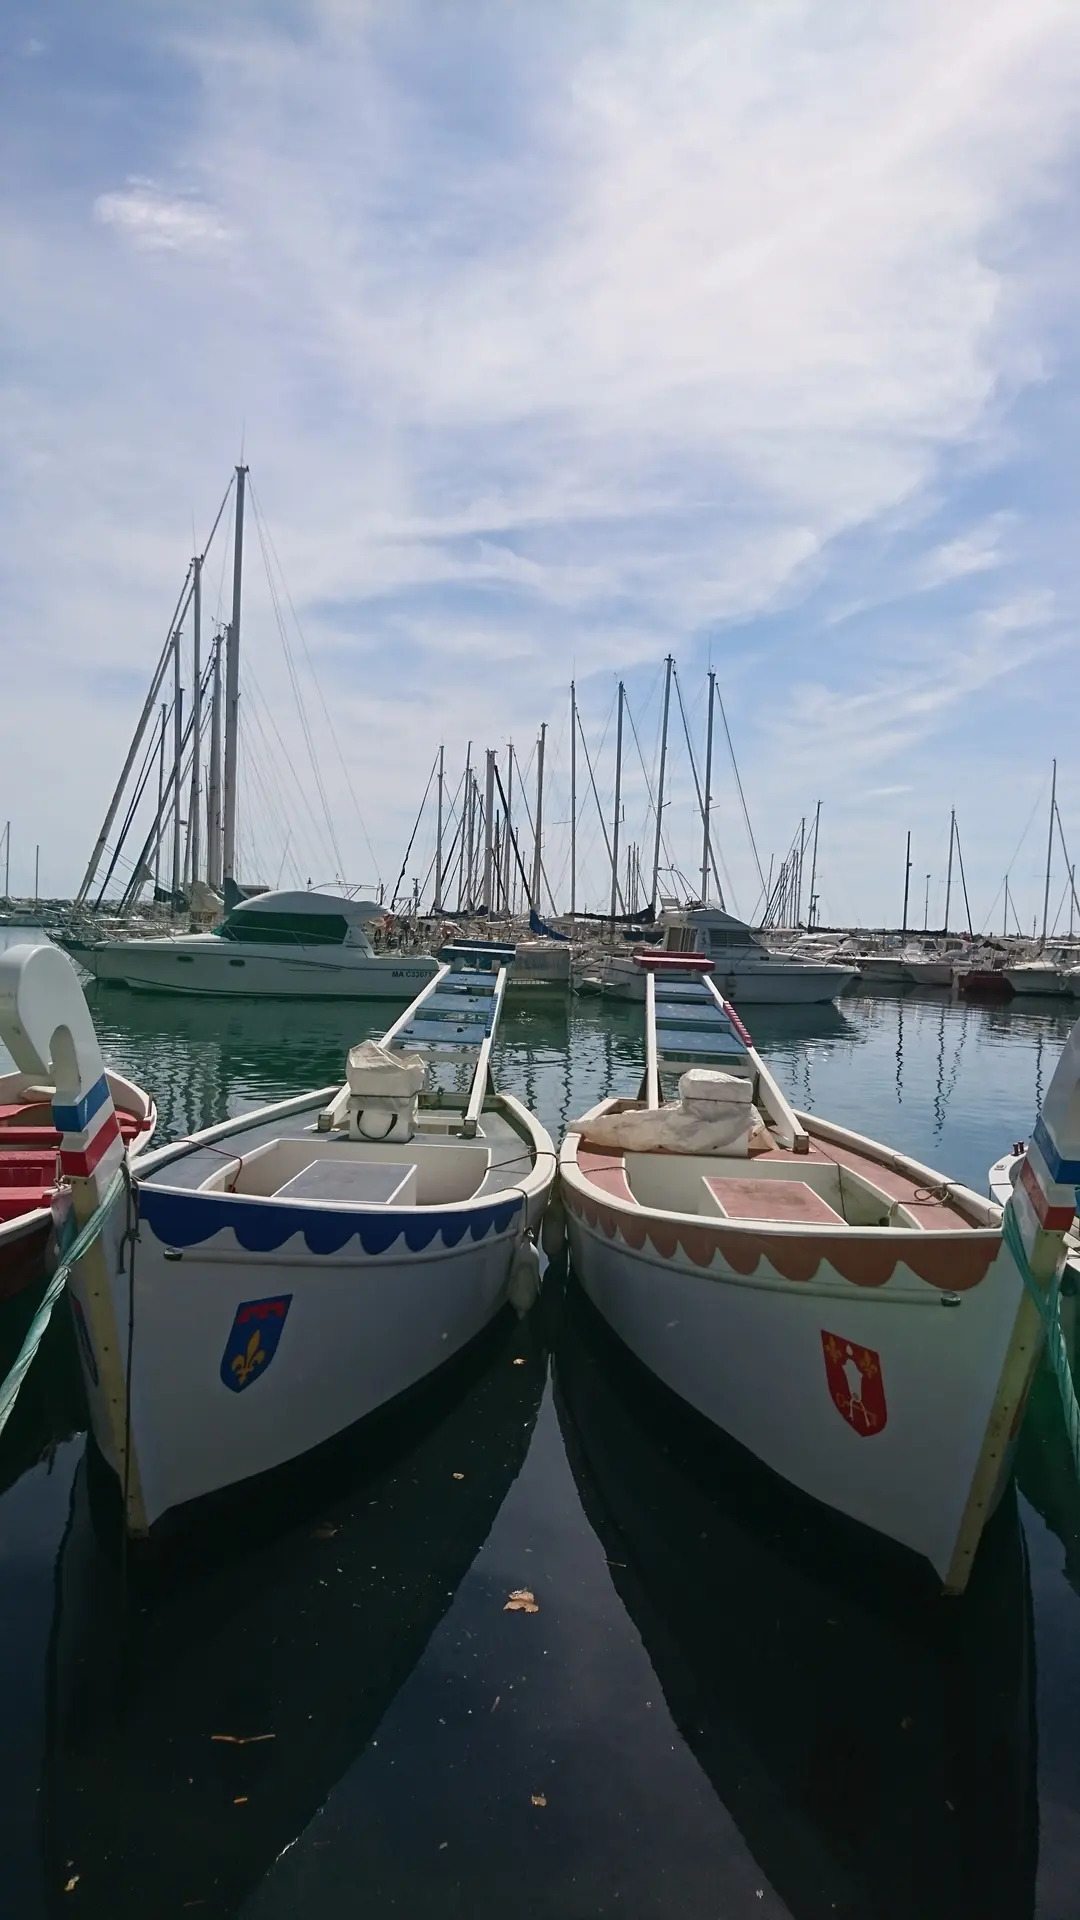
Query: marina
[[539, 963], [650, 1549]]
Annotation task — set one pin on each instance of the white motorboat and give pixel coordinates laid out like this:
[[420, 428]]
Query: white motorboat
[[929, 973], [744, 967], [298, 1267], [33, 1122], [854, 1319], [292, 945], [1037, 976]]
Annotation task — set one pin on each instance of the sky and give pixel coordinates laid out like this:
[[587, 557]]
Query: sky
[[557, 338]]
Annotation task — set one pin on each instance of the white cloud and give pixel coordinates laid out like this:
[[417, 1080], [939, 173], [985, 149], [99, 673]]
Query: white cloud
[[152, 219], [978, 551], [559, 337]]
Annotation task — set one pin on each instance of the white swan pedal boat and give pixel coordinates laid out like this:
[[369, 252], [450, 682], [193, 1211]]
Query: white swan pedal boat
[[300, 1266], [851, 1317], [31, 1165]]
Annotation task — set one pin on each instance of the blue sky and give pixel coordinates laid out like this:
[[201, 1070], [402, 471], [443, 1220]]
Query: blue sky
[[557, 337]]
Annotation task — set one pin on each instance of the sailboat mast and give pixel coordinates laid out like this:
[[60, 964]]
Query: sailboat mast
[[706, 809], [160, 801], [618, 807], [660, 785], [508, 838], [907, 877], [194, 807], [178, 754], [538, 840], [1049, 850], [948, 877], [465, 894], [573, 800], [437, 906], [811, 905], [232, 689], [489, 821], [213, 797]]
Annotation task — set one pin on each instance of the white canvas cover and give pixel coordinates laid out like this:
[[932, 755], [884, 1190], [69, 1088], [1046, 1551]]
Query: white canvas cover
[[714, 1114], [374, 1071]]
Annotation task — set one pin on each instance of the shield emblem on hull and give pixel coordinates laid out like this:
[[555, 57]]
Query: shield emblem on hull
[[855, 1383], [253, 1341]]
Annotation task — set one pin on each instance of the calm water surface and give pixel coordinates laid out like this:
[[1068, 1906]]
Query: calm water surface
[[719, 1709]]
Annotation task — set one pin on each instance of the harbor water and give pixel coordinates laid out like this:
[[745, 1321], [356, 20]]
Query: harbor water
[[714, 1705]]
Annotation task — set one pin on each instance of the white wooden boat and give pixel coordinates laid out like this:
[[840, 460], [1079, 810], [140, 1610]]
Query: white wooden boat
[[300, 1266], [32, 1165], [851, 1317], [292, 945], [1001, 1181]]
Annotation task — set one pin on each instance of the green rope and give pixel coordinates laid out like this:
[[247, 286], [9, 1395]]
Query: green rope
[[83, 1240], [1048, 1304]]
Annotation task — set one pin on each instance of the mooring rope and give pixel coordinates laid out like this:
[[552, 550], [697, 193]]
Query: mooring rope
[[1048, 1307], [84, 1239]]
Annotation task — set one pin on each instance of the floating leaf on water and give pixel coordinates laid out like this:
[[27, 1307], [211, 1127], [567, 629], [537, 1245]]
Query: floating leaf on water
[[72, 1883], [520, 1361], [521, 1601], [538, 1799], [324, 1531], [242, 1739], [459, 1476], [241, 1800]]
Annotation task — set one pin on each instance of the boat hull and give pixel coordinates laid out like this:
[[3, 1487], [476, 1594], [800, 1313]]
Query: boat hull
[[749, 1348], [1036, 980], [753, 986], [215, 967], [341, 1331], [929, 973]]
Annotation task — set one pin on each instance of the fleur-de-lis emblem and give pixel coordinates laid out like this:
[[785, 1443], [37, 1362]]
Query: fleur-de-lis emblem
[[244, 1364], [253, 1341]]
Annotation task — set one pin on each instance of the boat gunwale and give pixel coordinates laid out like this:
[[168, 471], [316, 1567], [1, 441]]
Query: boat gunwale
[[536, 1139], [576, 1177]]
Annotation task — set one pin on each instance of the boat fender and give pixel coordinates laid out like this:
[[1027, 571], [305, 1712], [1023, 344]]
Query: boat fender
[[523, 1286], [553, 1226]]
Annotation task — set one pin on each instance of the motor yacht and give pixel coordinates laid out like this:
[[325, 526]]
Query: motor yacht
[[287, 945]]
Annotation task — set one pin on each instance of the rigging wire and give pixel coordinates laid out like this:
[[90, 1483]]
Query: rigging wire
[[413, 834], [739, 784], [305, 724], [319, 691]]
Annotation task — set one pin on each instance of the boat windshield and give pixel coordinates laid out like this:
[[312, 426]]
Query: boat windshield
[[285, 929], [732, 937]]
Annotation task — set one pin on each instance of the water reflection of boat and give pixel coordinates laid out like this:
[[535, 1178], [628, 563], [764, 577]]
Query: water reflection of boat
[[873, 1743], [292, 1627], [1045, 1473], [50, 1406]]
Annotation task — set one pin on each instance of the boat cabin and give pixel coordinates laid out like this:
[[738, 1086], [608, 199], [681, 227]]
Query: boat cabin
[[707, 930], [298, 919]]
